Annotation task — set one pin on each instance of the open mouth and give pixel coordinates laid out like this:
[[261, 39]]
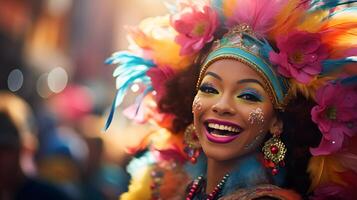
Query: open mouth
[[221, 132]]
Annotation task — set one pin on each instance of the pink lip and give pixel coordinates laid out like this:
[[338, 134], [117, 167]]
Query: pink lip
[[221, 140]]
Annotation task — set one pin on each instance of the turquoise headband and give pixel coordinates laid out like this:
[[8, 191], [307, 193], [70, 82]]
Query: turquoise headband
[[239, 44]]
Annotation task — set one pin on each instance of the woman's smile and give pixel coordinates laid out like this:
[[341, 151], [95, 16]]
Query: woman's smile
[[218, 131]]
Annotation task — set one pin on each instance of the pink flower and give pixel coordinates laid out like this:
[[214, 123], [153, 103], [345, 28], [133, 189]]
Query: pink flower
[[195, 24], [335, 116], [300, 55], [159, 76]]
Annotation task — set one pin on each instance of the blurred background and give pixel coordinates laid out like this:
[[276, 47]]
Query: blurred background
[[56, 92]]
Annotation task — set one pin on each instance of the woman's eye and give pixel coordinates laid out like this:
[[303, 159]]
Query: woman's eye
[[208, 89], [249, 97]]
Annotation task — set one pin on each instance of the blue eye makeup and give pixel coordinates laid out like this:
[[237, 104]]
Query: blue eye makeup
[[208, 88], [250, 94]]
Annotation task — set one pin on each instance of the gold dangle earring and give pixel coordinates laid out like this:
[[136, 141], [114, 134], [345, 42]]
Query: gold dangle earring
[[274, 151], [193, 147]]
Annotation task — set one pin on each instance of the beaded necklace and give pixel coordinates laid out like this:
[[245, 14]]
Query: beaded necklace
[[198, 185]]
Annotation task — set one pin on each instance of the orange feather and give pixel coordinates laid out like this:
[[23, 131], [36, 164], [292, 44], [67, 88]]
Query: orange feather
[[288, 18], [325, 169]]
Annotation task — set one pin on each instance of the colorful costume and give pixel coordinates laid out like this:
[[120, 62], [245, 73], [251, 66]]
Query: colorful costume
[[296, 46]]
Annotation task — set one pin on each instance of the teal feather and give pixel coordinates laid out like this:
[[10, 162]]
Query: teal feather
[[266, 49], [327, 4], [128, 58], [248, 172], [141, 97], [130, 76], [121, 70], [131, 69], [197, 169], [343, 11], [329, 66]]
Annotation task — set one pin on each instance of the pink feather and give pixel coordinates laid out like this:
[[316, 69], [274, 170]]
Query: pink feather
[[264, 13]]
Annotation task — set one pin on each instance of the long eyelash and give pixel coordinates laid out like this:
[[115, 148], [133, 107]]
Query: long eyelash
[[208, 88], [252, 92]]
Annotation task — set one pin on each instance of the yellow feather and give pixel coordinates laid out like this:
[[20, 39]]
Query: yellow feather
[[139, 187], [312, 21], [287, 18], [340, 32], [325, 169]]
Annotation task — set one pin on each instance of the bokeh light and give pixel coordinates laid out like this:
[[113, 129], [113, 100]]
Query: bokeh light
[[15, 80], [57, 79], [42, 87]]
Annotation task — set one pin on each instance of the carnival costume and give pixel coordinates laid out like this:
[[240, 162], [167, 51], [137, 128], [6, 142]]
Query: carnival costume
[[296, 46]]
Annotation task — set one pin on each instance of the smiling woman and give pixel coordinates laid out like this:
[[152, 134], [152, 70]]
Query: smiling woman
[[253, 88], [230, 93]]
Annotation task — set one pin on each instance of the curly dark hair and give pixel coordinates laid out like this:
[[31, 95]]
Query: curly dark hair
[[180, 92], [299, 135]]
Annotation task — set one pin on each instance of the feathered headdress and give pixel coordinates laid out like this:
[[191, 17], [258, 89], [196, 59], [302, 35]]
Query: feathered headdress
[[300, 46]]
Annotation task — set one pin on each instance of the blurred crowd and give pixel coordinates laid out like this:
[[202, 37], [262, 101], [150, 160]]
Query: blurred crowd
[[54, 95]]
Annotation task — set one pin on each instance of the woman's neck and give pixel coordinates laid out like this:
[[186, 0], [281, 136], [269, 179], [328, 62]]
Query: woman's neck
[[217, 169]]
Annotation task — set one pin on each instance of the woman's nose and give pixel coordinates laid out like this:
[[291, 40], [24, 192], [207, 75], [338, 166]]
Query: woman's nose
[[224, 107]]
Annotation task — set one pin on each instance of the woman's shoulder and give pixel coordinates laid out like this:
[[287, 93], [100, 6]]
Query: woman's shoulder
[[263, 192]]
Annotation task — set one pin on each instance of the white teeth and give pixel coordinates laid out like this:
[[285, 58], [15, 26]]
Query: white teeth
[[223, 127]]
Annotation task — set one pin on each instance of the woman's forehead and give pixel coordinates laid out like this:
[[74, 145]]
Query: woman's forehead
[[233, 68]]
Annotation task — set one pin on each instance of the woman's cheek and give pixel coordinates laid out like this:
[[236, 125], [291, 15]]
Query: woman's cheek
[[197, 104], [256, 117]]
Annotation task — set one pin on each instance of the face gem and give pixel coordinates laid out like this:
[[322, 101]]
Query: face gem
[[196, 105], [256, 116]]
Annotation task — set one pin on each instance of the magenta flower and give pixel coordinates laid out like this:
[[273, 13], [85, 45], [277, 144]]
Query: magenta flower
[[195, 24], [335, 116], [158, 77], [300, 55]]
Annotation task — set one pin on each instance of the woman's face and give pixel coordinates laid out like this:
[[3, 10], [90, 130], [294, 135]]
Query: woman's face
[[232, 111]]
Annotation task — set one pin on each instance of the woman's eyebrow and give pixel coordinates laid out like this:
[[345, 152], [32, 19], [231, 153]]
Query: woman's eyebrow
[[250, 81], [214, 75]]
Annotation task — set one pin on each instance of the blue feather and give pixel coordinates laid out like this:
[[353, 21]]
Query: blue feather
[[140, 98], [265, 49], [352, 80], [131, 68], [329, 66], [344, 11], [121, 70], [197, 169], [124, 57], [130, 76], [111, 113], [327, 4], [248, 172]]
